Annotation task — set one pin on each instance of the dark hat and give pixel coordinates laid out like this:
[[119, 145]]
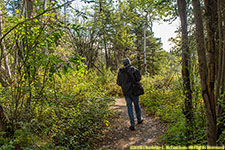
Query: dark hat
[[126, 61]]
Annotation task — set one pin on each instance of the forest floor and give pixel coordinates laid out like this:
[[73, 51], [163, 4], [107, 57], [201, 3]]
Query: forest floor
[[119, 137]]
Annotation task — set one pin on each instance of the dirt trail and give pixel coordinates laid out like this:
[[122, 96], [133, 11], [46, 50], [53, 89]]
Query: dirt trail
[[119, 137]]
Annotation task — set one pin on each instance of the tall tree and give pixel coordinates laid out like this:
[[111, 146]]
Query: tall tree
[[182, 7], [211, 27], [207, 71], [5, 72], [220, 87]]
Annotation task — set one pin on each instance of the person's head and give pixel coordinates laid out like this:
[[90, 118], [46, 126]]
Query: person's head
[[126, 61]]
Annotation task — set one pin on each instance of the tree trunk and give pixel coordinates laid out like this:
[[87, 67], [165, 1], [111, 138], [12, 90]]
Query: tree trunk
[[104, 34], [211, 26], [206, 82], [28, 12], [145, 28], [220, 89], [106, 51], [27, 8], [5, 72], [139, 60], [64, 13], [188, 112], [5, 80]]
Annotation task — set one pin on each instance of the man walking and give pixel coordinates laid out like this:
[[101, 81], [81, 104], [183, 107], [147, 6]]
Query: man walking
[[126, 77]]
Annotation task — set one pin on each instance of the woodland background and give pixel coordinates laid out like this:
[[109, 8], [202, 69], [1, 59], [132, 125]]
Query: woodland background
[[58, 68]]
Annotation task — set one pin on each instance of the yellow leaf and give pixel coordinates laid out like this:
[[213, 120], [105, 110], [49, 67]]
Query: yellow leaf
[[17, 11]]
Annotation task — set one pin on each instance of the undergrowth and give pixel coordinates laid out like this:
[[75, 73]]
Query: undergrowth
[[70, 113], [164, 98]]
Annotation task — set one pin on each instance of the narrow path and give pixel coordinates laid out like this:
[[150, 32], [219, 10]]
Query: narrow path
[[119, 137]]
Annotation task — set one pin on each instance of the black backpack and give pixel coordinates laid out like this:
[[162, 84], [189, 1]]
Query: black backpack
[[137, 88]]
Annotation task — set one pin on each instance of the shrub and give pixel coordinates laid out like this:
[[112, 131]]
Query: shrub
[[69, 113], [164, 98]]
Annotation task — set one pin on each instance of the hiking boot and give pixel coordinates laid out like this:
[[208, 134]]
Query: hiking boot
[[132, 128], [140, 121]]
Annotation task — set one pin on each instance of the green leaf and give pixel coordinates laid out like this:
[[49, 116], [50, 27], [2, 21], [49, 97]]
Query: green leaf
[[56, 60], [64, 69], [75, 60], [69, 66]]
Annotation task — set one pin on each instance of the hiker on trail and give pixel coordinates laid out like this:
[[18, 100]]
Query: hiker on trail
[[125, 79]]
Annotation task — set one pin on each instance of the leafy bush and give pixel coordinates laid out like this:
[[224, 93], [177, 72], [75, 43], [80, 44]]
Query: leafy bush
[[164, 98], [69, 114], [161, 99], [108, 79]]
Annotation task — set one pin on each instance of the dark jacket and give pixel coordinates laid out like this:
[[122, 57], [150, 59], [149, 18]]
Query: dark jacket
[[126, 77]]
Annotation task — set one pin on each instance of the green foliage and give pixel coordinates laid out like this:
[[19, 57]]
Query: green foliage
[[81, 111], [72, 113], [52, 101], [108, 79], [164, 98], [221, 120], [222, 137], [161, 99]]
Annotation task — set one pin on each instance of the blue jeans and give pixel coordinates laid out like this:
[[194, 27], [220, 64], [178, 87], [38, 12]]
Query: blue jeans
[[129, 100]]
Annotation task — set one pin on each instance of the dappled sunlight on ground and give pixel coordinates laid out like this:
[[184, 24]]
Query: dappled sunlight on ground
[[119, 137]]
